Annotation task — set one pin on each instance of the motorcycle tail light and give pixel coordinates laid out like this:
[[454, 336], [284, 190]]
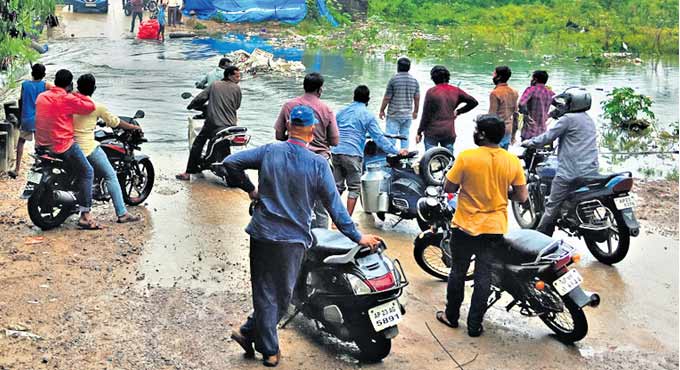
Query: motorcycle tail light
[[576, 258], [540, 285], [240, 140], [623, 186], [564, 261], [383, 282]]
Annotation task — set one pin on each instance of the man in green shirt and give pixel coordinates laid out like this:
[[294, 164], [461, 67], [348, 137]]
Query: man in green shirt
[[215, 75]]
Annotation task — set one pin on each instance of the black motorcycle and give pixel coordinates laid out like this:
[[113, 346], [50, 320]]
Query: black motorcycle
[[392, 184], [149, 6], [51, 185], [351, 293], [530, 266], [600, 208]]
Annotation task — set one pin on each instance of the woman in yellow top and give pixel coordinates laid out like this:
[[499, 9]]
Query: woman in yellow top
[[84, 136]]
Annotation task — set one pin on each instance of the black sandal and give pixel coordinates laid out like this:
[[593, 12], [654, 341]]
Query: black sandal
[[441, 317], [92, 225]]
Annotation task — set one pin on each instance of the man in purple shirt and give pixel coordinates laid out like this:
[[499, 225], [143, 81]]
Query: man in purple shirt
[[326, 132], [534, 105]]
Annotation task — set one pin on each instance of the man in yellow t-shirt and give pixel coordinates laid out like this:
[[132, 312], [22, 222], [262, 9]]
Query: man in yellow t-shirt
[[484, 176]]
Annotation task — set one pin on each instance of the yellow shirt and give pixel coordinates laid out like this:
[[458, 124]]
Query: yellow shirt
[[484, 175], [83, 127]]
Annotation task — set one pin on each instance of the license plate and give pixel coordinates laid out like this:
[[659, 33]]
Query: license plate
[[624, 202], [90, 5], [385, 316], [34, 177], [568, 282]]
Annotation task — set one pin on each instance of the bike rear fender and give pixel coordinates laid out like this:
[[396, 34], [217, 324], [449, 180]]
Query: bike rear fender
[[630, 221], [140, 156]]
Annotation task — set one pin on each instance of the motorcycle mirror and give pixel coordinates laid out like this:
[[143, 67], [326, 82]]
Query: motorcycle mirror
[[431, 191], [139, 114], [186, 95]]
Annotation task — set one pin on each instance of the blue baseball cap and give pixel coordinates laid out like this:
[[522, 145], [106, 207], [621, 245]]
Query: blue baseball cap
[[302, 115]]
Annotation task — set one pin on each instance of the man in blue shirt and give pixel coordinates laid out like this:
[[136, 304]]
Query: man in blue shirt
[[291, 178], [354, 122]]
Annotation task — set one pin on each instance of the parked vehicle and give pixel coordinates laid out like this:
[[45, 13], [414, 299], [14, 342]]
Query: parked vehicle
[[351, 293], [600, 210], [51, 187], [221, 145], [90, 6], [149, 6], [530, 266], [394, 183]]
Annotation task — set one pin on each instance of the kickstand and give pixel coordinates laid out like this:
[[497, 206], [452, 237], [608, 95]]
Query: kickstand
[[288, 320], [398, 222]]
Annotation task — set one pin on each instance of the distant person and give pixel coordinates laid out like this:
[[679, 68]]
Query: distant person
[[503, 103], [224, 99], [54, 110], [84, 126], [291, 179], [535, 105], [326, 132], [161, 21], [30, 89], [173, 9], [402, 100], [438, 123], [137, 12], [483, 176], [354, 122], [216, 74]]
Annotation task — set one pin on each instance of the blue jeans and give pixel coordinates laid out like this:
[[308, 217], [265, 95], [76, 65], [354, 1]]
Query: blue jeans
[[274, 269], [102, 168], [505, 142], [77, 162], [399, 126], [431, 142]]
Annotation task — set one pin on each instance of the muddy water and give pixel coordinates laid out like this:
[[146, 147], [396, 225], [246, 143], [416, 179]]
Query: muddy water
[[198, 240]]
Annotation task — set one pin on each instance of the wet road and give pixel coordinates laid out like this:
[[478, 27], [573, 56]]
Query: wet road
[[198, 242]]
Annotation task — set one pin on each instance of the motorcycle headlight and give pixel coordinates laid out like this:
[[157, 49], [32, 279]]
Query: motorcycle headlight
[[426, 208], [358, 286]]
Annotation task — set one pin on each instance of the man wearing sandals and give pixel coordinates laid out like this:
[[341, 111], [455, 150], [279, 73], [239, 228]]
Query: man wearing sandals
[[483, 176], [291, 179], [54, 110]]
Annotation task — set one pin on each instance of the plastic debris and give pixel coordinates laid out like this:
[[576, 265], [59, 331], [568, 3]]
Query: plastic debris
[[21, 334], [34, 240], [260, 61]]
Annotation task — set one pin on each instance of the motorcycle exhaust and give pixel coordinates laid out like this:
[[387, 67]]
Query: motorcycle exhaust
[[65, 198]]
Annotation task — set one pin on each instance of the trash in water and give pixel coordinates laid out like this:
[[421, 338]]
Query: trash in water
[[261, 61]]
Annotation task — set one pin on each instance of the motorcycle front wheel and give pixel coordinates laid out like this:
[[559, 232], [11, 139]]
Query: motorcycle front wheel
[[151, 6], [434, 164], [127, 10], [42, 212], [615, 248], [526, 214], [373, 348], [137, 182], [430, 257], [569, 325]]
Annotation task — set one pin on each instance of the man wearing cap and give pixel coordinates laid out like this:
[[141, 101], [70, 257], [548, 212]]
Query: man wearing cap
[[291, 178], [215, 75]]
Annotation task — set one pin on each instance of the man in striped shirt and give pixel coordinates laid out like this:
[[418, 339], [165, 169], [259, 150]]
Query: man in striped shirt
[[534, 105], [403, 98]]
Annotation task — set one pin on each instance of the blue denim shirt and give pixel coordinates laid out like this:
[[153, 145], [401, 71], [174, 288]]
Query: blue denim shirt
[[354, 121], [291, 178]]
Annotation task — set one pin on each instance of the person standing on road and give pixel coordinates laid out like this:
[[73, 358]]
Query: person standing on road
[[173, 8], [535, 105], [161, 21], [503, 103], [291, 179], [438, 123], [326, 132], [224, 98], [84, 126], [402, 100], [137, 12], [30, 89], [354, 122], [483, 176], [54, 110]]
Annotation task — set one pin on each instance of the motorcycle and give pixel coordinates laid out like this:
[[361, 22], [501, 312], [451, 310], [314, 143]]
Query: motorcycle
[[530, 266], [149, 6], [51, 186], [394, 183], [351, 293], [219, 146], [600, 209]]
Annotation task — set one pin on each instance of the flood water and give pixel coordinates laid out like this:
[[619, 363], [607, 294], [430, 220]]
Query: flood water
[[151, 76]]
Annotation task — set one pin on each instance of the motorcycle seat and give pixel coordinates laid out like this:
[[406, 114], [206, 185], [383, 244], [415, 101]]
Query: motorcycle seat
[[598, 180], [328, 243], [525, 245], [231, 130]]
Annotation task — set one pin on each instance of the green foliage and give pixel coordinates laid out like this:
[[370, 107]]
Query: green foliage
[[673, 175], [200, 26], [627, 110]]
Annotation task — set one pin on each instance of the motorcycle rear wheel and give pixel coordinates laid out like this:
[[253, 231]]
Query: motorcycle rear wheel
[[433, 165], [373, 348], [42, 216], [138, 182], [569, 326], [619, 234]]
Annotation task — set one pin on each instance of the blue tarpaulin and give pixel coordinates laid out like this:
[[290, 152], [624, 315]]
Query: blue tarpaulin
[[287, 11]]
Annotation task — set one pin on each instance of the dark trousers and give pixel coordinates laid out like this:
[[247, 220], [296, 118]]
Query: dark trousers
[[463, 247], [196, 152], [134, 16], [78, 163], [172, 16], [274, 269]]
